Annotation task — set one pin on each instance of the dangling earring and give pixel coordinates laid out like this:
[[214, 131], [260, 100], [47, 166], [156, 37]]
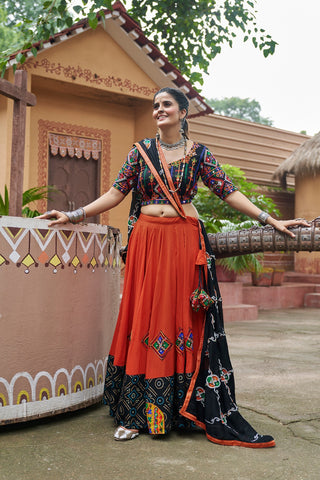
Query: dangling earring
[[158, 134], [181, 127]]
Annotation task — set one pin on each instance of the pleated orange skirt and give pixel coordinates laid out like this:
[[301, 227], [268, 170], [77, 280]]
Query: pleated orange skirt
[[156, 340]]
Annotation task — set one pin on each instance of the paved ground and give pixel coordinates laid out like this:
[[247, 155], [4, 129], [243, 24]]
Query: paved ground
[[277, 369]]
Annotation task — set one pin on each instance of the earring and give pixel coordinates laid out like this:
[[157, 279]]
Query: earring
[[181, 127], [157, 135]]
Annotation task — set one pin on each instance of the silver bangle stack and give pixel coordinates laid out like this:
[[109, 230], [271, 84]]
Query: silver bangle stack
[[263, 217], [76, 216]]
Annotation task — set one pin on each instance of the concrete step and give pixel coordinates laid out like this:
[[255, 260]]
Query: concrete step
[[241, 312], [298, 277], [288, 295], [312, 300], [231, 292]]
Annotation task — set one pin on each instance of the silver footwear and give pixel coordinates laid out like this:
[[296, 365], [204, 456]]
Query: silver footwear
[[121, 433]]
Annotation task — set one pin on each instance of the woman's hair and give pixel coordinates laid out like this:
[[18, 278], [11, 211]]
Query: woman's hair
[[183, 103]]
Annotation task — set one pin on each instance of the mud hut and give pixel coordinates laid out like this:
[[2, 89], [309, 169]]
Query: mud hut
[[304, 164]]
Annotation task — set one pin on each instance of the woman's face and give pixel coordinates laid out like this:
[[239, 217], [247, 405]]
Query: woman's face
[[166, 111]]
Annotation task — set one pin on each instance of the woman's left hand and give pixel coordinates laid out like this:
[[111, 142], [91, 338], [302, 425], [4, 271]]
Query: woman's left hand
[[282, 225]]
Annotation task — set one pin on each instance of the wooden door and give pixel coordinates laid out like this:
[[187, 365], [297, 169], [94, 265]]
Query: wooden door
[[77, 181]]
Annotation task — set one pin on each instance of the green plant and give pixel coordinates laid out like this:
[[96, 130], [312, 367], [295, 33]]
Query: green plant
[[218, 216], [211, 209], [28, 197], [4, 202]]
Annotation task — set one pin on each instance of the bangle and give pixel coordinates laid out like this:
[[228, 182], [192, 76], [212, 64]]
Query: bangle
[[76, 216], [263, 217]]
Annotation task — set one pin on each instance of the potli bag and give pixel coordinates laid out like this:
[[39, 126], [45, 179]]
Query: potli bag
[[199, 297]]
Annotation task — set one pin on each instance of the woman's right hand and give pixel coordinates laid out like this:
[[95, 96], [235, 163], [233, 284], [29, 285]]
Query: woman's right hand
[[61, 217]]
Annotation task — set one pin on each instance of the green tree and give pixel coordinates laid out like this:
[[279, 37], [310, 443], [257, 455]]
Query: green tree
[[242, 108], [9, 38], [18, 10], [190, 32], [193, 32]]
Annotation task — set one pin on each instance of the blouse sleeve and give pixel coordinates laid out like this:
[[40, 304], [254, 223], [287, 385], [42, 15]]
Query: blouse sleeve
[[128, 175], [215, 178]]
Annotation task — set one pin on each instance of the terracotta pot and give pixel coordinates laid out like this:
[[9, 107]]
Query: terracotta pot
[[224, 275], [262, 279]]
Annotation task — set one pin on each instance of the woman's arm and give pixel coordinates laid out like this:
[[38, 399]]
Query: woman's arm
[[107, 201], [240, 202]]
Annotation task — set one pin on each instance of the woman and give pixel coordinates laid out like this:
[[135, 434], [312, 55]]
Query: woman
[[163, 372]]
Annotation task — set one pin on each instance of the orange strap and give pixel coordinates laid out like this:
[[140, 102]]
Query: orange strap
[[176, 196], [164, 164], [176, 204]]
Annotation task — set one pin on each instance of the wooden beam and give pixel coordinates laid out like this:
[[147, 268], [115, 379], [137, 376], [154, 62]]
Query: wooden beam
[[11, 90], [18, 143]]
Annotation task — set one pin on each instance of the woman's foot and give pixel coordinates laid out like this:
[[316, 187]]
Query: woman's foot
[[122, 434], [259, 441]]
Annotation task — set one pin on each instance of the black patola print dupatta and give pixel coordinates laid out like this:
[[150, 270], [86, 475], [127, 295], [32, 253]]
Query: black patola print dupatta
[[210, 401]]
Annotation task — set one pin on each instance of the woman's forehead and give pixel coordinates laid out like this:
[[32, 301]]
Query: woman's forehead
[[163, 96]]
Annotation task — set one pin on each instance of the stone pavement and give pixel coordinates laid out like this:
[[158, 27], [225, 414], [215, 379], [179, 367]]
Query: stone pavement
[[277, 371]]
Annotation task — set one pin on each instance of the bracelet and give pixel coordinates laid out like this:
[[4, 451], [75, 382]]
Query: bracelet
[[76, 216], [262, 217]]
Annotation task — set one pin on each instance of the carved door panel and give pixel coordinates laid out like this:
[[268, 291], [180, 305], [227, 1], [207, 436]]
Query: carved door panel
[[77, 180]]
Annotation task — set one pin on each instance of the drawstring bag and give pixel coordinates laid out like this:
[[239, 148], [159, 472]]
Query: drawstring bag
[[199, 297]]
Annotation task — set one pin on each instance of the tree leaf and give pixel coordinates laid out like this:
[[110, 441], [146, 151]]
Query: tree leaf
[[69, 21], [77, 8], [21, 58], [93, 23]]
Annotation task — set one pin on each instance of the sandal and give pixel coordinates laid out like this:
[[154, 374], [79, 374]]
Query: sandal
[[122, 434]]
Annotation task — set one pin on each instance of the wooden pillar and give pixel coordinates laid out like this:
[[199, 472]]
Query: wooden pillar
[[22, 98], [17, 149]]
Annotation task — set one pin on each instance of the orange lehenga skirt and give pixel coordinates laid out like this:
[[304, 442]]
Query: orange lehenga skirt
[[153, 352]]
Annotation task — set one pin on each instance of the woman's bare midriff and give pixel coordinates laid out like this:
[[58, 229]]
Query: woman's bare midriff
[[169, 211]]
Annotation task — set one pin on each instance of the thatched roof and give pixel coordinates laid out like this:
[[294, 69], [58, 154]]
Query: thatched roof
[[304, 160]]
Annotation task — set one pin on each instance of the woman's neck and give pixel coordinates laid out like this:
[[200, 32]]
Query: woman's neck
[[170, 137]]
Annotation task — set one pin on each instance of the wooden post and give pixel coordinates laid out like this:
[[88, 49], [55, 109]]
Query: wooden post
[[22, 98], [17, 149]]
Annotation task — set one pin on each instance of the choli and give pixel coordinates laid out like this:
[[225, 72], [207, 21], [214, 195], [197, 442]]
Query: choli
[[198, 163]]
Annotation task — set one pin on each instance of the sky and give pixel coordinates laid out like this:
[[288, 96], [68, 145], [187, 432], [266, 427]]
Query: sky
[[286, 84]]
